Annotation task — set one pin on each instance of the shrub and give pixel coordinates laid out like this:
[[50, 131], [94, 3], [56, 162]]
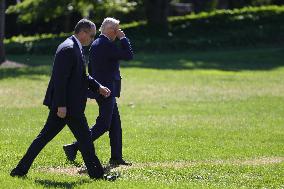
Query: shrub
[[249, 26]]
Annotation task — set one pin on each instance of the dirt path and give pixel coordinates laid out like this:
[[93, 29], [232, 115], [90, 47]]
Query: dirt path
[[11, 64], [175, 165]]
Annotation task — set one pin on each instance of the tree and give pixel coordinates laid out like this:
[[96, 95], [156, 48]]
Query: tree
[[30, 11], [157, 13], [204, 5], [2, 30]]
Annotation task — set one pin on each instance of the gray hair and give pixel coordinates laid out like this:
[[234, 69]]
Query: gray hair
[[109, 23]]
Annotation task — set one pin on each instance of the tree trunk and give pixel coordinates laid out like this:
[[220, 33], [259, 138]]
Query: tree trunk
[[2, 30], [67, 23], [157, 13], [223, 4], [204, 5]]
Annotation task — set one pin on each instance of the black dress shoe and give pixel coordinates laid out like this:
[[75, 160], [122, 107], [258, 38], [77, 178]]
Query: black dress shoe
[[70, 151], [17, 173], [111, 177], [117, 162], [84, 170]]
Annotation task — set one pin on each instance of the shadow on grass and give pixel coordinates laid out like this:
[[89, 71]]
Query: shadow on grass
[[233, 60], [57, 184], [227, 60], [35, 65], [29, 71]]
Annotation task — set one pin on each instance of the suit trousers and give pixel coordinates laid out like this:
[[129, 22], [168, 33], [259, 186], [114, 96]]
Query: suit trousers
[[108, 120], [79, 127]]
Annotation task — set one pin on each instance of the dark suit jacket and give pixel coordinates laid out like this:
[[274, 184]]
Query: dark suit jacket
[[104, 63], [69, 83]]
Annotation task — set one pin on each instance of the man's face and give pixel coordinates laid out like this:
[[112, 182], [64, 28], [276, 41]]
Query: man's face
[[89, 36], [113, 32]]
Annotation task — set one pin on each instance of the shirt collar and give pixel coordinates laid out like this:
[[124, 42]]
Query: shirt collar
[[105, 36], [78, 42]]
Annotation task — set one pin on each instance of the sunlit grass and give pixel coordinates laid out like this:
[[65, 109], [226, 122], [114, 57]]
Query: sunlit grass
[[229, 112]]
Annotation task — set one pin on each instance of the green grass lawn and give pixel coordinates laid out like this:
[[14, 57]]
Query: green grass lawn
[[210, 119]]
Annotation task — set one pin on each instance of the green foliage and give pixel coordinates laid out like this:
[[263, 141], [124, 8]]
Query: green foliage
[[260, 2], [250, 26], [38, 44], [111, 6], [31, 10]]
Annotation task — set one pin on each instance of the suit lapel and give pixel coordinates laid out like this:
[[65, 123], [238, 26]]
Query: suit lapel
[[77, 50], [79, 55]]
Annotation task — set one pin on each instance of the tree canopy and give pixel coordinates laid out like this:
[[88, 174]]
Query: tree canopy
[[31, 10]]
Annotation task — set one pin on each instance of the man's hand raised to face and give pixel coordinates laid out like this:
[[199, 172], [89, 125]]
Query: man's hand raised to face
[[120, 34]]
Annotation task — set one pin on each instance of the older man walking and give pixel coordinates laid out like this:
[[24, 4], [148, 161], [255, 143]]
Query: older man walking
[[104, 67]]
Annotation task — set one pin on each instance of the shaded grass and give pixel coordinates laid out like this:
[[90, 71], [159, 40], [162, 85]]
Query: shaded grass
[[169, 114], [229, 60]]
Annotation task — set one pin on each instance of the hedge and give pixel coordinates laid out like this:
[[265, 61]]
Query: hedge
[[249, 26]]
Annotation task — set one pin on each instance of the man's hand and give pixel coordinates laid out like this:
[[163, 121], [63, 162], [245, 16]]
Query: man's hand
[[120, 34], [61, 112], [104, 91]]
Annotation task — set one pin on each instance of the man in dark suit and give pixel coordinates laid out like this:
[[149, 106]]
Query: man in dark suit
[[104, 67], [66, 98]]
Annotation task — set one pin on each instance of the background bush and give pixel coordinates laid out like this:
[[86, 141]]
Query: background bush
[[250, 26]]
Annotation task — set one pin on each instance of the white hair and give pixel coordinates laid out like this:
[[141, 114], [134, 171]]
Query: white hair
[[109, 23]]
